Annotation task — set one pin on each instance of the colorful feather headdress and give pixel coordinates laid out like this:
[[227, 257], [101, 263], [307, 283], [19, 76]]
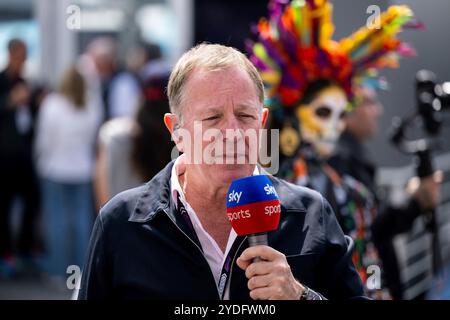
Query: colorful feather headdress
[[295, 47]]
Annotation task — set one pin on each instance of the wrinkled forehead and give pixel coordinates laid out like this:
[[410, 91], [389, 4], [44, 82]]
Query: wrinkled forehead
[[215, 89], [333, 98]]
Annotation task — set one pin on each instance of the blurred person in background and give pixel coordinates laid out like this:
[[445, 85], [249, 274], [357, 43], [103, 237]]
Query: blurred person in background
[[125, 94], [353, 158], [156, 62], [17, 173], [98, 66], [133, 150], [64, 149]]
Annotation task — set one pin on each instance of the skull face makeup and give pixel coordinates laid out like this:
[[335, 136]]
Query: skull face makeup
[[322, 120], [295, 49]]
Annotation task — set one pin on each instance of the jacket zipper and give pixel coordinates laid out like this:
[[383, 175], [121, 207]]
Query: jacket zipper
[[201, 251], [232, 263]]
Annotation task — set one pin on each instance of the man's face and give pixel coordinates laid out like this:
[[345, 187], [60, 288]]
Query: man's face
[[225, 104], [322, 120], [364, 119]]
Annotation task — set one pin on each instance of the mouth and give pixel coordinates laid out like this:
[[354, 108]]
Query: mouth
[[232, 159], [235, 157]]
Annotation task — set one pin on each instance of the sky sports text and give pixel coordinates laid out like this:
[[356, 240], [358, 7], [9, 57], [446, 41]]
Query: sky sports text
[[235, 196], [246, 214]]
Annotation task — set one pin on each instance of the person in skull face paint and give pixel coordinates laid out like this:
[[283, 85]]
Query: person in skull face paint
[[317, 124], [310, 81]]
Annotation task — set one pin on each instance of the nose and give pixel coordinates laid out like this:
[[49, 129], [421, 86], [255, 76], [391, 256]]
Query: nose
[[232, 122], [232, 130]]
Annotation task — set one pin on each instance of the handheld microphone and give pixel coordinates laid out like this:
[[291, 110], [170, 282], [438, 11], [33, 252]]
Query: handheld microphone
[[253, 208]]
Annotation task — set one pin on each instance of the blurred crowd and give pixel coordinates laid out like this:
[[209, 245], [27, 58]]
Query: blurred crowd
[[65, 151]]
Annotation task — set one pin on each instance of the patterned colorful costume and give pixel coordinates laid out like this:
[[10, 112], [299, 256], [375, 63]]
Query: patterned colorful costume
[[294, 51]]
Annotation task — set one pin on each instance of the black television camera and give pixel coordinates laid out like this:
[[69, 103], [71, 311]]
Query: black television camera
[[432, 99]]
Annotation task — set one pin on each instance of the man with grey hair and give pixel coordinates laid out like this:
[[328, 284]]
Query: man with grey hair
[[170, 239]]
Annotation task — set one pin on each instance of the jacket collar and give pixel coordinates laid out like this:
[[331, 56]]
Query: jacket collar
[[155, 196]]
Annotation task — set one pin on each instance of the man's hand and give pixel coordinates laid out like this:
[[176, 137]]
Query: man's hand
[[271, 278], [426, 191]]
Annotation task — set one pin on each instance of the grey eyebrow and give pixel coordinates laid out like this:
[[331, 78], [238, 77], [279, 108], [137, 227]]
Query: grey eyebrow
[[213, 110], [246, 106], [239, 108]]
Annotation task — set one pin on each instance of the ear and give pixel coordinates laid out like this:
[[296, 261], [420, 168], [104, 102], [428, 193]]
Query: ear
[[172, 123], [265, 115], [170, 120]]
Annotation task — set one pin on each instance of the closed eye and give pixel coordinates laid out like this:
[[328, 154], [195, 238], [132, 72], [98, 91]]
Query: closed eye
[[244, 115], [211, 118]]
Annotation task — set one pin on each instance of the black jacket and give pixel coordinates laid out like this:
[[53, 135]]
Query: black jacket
[[15, 148], [352, 158], [140, 248]]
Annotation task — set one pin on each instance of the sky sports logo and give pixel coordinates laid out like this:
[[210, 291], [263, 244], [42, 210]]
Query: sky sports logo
[[253, 205], [235, 196], [255, 217], [237, 215], [269, 210], [245, 211], [270, 190]]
